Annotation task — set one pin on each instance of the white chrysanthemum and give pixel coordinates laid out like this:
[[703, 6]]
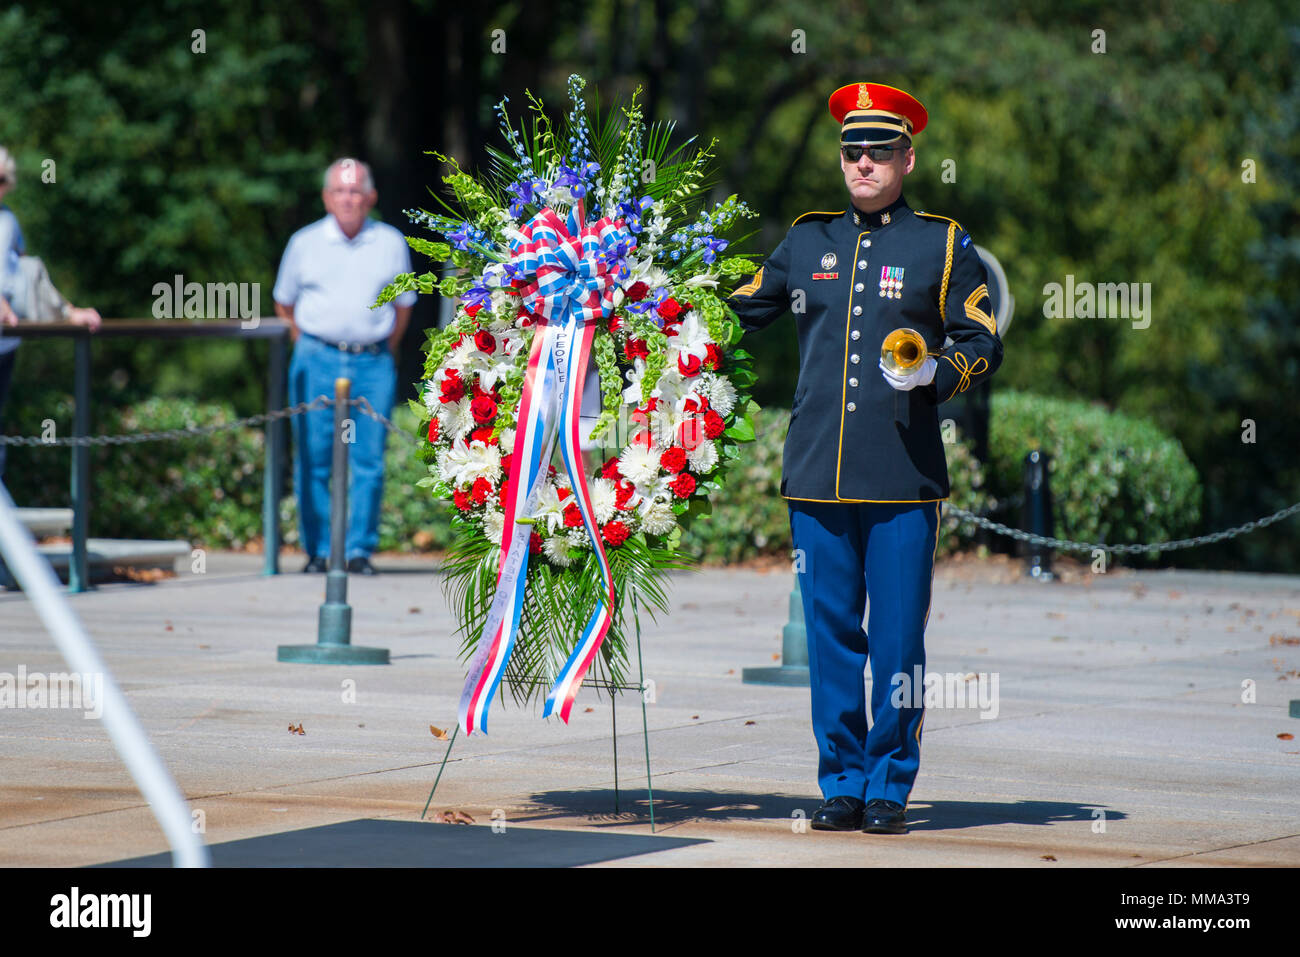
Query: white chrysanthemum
[[464, 358], [463, 463], [456, 418], [657, 518], [603, 497], [432, 400], [721, 393], [507, 440], [703, 457], [494, 525], [556, 548], [638, 464]]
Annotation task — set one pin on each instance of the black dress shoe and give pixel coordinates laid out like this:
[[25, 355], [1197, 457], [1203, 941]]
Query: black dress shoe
[[316, 564], [841, 813], [884, 817], [361, 566]]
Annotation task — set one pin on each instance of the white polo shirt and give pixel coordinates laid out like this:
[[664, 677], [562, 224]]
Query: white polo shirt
[[331, 281]]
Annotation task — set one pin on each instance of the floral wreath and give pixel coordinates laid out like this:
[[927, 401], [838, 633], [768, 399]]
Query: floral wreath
[[584, 247]]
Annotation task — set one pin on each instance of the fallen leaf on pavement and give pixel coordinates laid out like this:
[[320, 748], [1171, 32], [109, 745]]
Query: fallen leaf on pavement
[[438, 733]]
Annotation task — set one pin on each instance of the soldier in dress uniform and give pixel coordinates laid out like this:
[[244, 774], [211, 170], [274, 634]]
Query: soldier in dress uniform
[[864, 472]]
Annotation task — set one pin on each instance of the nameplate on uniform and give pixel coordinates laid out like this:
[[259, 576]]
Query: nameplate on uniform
[[826, 275]]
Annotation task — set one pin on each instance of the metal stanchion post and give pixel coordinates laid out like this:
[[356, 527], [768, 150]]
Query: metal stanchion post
[[79, 566], [334, 631], [274, 473], [1037, 515], [793, 670]]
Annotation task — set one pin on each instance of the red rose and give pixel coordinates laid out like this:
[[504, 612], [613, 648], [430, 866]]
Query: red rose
[[690, 434], [713, 359], [502, 493], [615, 533], [714, 425], [637, 291], [505, 463], [610, 469], [688, 364], [673, 460], [534, 544], [485, 341], [484, 434], [473, 310], [623, 492], [484, 409], [572, 517], [462, 500], [683, 485], [669, 308], [562, 493], [433, 429], [453, 389], [636, 349]]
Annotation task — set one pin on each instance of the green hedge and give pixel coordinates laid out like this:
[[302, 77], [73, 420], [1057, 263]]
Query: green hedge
[[1114, 478]]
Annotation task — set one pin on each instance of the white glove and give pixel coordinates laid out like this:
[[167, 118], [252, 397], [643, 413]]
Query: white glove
[[922, 375]]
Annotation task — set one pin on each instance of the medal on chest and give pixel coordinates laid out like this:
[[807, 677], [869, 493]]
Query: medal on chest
[[891, 282]]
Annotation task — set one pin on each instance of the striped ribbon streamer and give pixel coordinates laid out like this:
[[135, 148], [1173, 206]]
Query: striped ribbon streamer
[[575, 269], [534, 441]]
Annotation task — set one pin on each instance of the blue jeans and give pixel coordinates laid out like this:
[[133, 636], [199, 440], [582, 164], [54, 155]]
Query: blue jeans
[[312, 372], [852, 551]]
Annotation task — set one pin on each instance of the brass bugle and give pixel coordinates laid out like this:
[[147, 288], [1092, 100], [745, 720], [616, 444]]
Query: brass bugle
[[904, 350]]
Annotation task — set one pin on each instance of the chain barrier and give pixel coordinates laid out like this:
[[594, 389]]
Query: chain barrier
[[189, 432], [1063, 545], [361, 403]]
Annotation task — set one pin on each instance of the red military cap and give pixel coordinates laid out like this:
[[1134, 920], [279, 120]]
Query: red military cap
[[875, 113]]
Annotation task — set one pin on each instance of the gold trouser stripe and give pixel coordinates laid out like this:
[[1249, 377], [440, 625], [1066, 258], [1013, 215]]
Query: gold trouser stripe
[[752, 286]]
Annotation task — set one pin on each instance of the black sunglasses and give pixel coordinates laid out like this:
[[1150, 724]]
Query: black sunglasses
[[879, 154]]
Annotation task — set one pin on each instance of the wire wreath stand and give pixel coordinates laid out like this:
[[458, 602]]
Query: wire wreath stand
[[611, 688]]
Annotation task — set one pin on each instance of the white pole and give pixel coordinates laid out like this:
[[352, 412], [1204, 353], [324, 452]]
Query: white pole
[[42, 588]]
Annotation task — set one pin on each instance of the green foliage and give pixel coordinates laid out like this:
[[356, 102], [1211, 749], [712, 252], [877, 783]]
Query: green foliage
[[1115, 478]]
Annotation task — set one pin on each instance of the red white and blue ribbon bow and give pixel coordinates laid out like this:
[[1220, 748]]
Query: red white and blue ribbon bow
[[573, 269]]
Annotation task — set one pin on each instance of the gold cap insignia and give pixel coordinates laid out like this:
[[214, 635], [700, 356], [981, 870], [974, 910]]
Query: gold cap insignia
[[864, 98]]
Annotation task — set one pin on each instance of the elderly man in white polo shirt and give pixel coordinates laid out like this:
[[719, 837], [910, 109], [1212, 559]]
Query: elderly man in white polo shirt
[[331, 272]]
